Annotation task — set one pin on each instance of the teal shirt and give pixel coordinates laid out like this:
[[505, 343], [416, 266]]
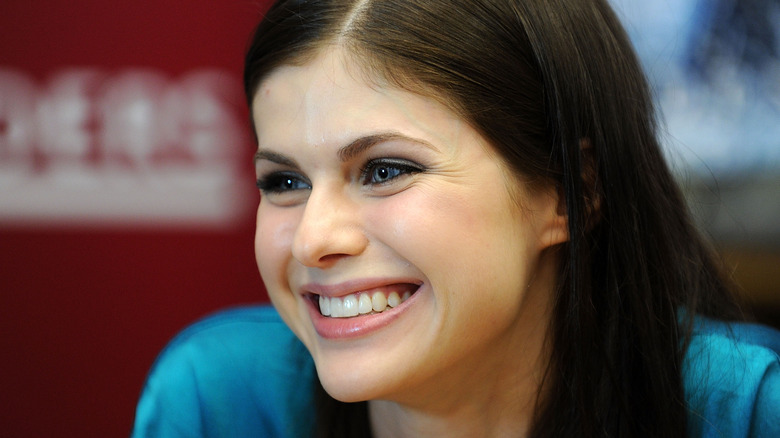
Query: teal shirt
[[731, 375], [242, 373]]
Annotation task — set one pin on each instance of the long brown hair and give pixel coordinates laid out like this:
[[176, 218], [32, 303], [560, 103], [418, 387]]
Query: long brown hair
[[556, 88]]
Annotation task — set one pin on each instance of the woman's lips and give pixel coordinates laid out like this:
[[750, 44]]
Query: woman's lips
[[354, 314]]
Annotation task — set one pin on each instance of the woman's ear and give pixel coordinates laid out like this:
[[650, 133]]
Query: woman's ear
[[556, 229]]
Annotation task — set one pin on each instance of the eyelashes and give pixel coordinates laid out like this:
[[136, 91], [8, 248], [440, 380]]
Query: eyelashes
[[384, 170], [280, 182], [376, 174]]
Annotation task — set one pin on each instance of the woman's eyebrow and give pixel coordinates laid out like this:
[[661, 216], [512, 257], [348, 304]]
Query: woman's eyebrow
[[264, 154], [361, 144], [346, 153]]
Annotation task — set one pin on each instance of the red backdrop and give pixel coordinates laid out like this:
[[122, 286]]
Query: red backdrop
[[87, 302]]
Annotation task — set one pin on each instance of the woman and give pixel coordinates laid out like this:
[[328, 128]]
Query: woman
[[466, 219]]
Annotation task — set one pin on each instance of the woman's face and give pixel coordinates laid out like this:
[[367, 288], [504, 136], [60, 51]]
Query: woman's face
[[387, 237]]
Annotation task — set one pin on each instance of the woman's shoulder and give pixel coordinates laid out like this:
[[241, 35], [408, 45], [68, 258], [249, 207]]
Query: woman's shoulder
[[731, 375], [239, 372]]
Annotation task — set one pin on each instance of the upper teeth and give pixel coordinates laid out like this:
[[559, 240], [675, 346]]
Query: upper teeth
[[360, 303]]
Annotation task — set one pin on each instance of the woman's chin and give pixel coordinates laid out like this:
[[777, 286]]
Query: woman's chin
[[353, 386]]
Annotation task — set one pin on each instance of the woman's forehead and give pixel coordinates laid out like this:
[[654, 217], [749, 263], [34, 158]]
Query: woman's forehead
[[325, 98]]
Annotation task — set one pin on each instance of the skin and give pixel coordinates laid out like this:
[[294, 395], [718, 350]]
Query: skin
[[465, 357]]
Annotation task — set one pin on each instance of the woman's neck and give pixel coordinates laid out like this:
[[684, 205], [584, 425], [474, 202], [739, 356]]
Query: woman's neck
[[392, 420]]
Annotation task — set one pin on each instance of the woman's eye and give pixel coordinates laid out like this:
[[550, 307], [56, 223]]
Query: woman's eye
[[282, 182], [382, 171]]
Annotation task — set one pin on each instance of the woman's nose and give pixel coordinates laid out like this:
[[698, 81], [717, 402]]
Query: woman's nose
[[329, 230]]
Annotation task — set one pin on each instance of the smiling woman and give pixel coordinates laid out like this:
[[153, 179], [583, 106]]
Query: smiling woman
[[466, 221], [374, 221]]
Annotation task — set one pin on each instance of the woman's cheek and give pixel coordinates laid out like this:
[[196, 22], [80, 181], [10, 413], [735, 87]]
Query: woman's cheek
[[409, 223], [426, 214], [273, 245]]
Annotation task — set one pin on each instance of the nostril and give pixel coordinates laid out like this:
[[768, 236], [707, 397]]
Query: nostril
[[332, 258]]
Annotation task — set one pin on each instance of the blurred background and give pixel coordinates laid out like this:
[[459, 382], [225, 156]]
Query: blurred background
[[126, 198], [126, 185], [715, 70]]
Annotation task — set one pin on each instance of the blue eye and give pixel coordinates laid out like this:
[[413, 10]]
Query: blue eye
[[380, 174], [383, 171], [281, 182]]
